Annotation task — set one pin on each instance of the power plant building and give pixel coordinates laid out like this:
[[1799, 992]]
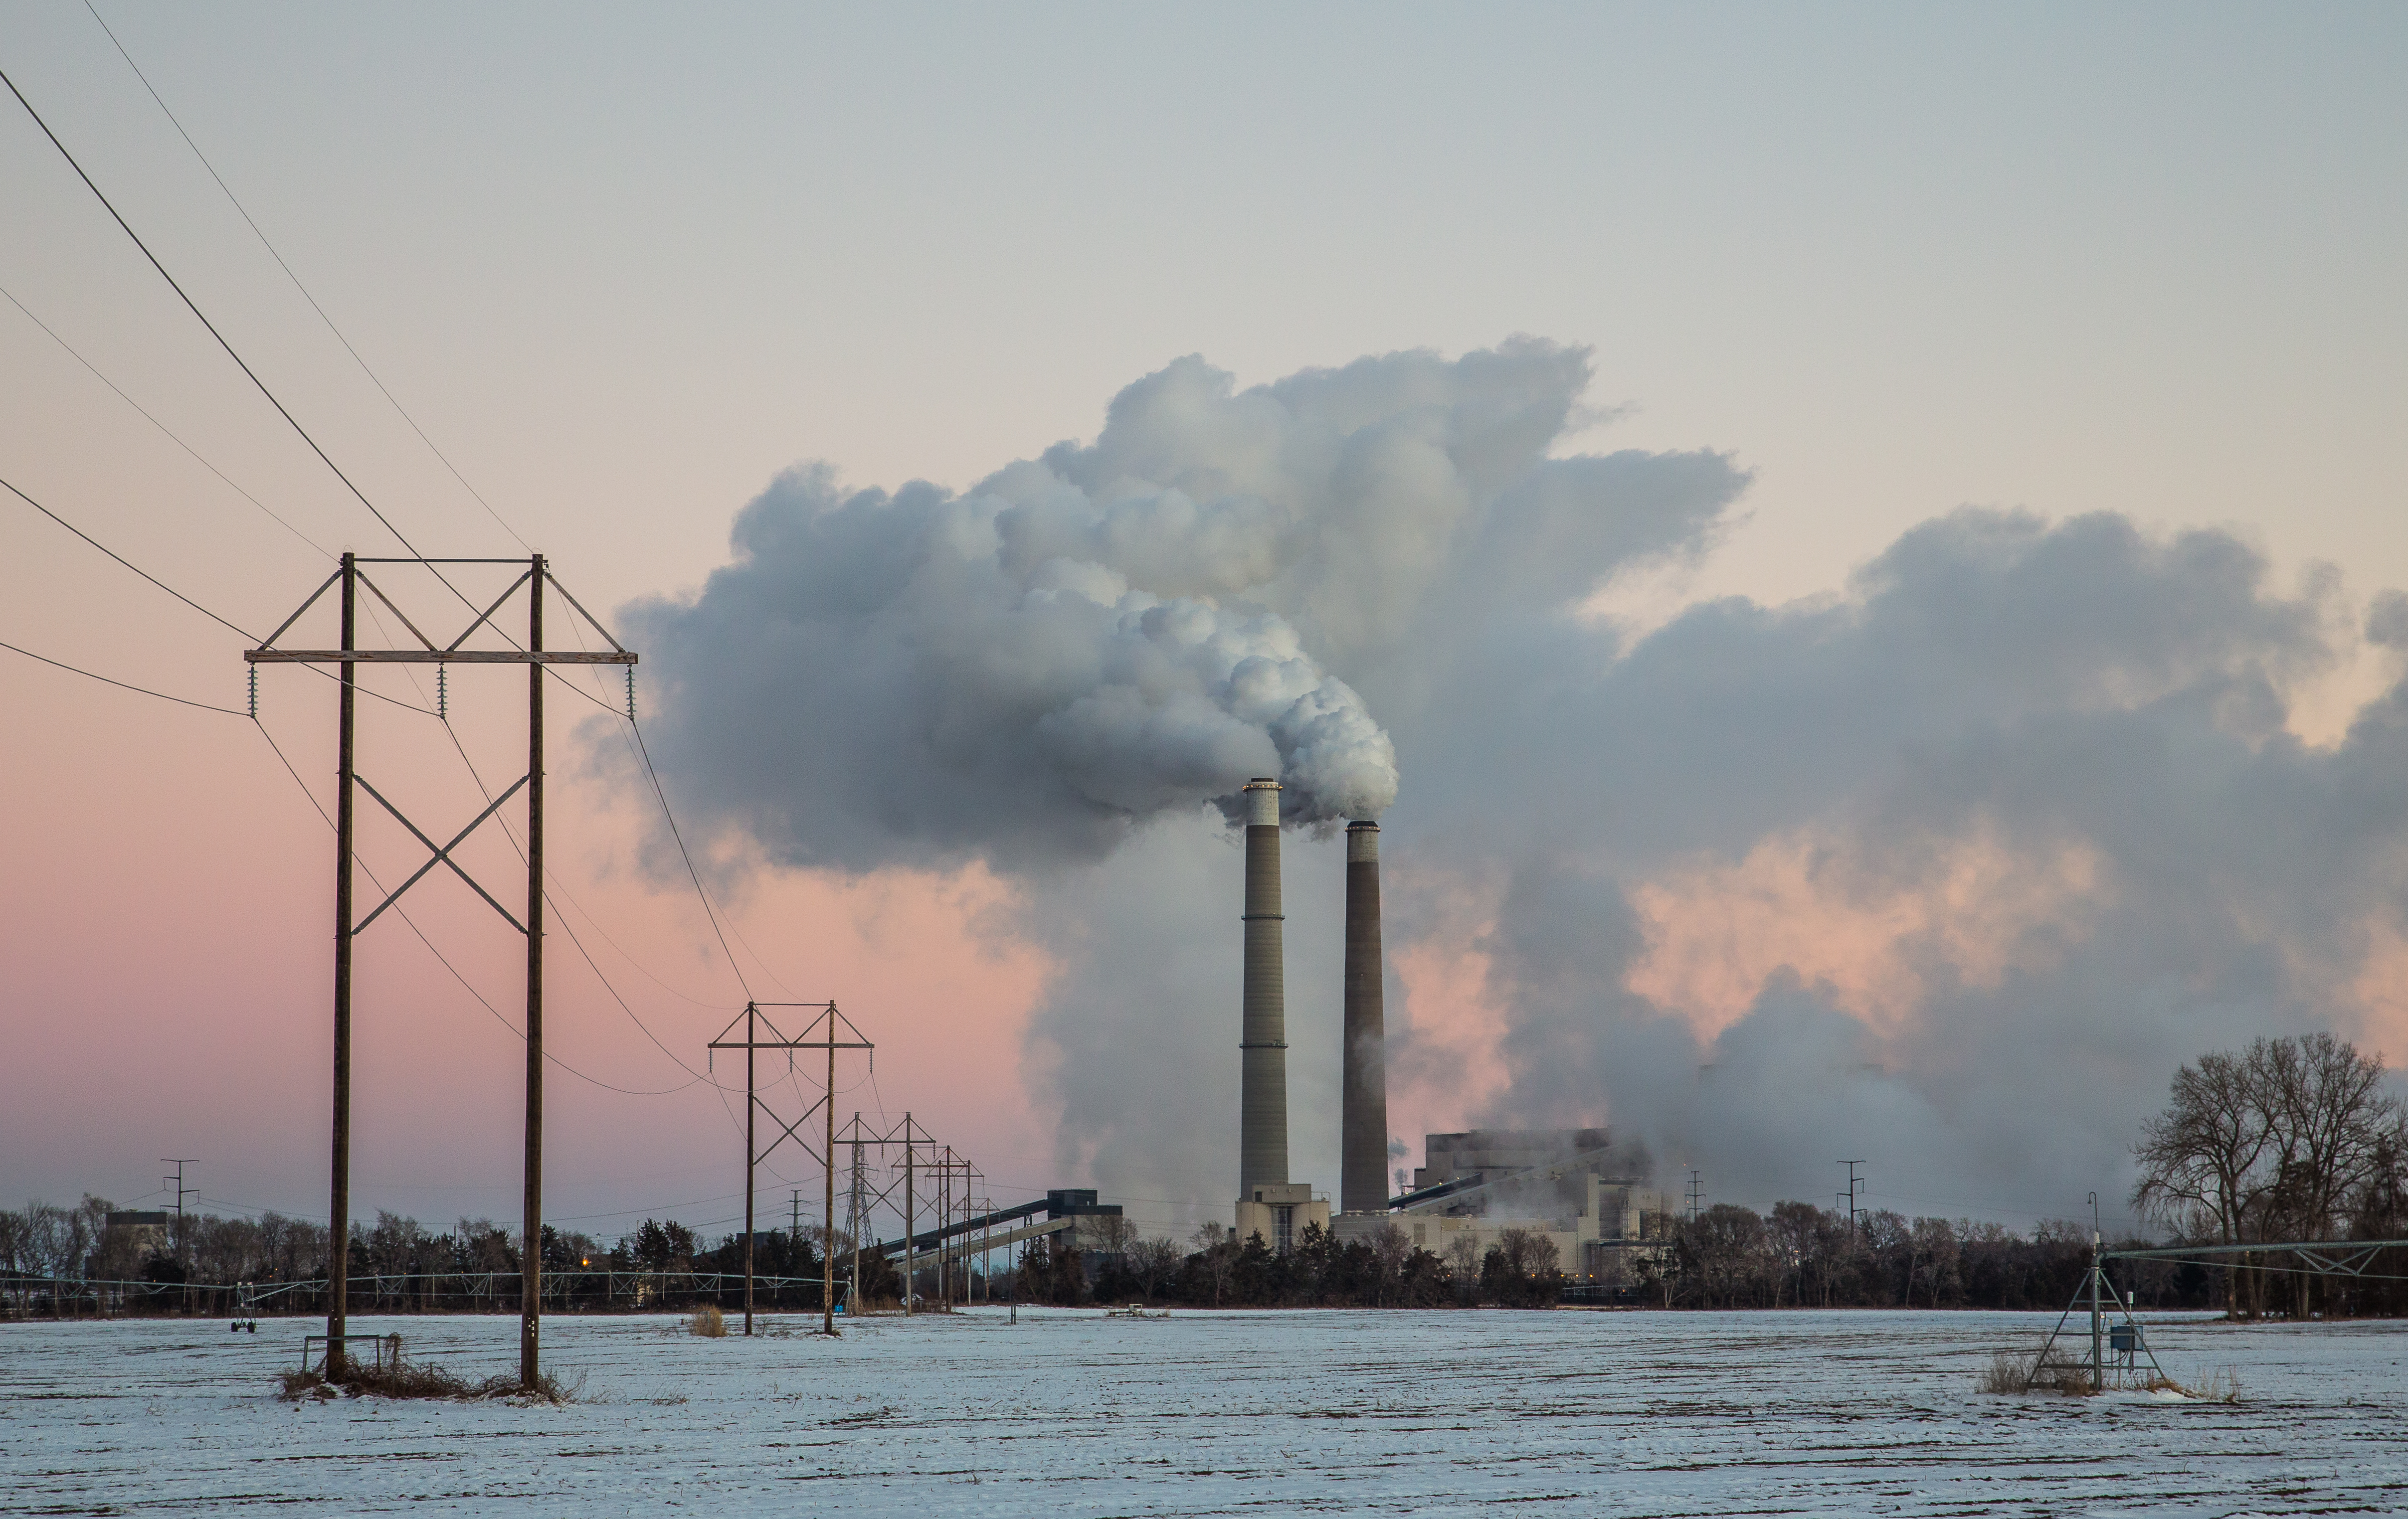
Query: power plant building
[[1575, 1186]]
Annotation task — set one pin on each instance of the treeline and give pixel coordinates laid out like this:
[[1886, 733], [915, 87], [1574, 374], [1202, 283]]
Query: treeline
[[42, 1240], [1319, 1271], [394, 1263], [1727, 1258], [2289, 1139], [1805, 1256]]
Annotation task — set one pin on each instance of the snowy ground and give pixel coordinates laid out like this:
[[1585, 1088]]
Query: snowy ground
[[1069, 1413]]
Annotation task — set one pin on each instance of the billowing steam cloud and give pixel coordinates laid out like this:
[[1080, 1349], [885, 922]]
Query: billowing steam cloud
[[1946, 871], [1107, 635], [924, 673]]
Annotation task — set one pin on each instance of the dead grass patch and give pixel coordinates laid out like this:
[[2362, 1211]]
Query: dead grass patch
[[425, 1381], [2223, 1386], [2014, 1372]]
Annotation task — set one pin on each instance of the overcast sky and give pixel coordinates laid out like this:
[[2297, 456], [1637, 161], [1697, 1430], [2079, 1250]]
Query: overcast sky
[[624, 266]]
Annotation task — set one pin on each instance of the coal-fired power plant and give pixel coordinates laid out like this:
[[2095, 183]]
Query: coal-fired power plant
[[1269, 1204], [1363, 1158]]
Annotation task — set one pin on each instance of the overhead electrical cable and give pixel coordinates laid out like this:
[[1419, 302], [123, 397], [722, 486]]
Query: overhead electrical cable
[[163, 426], [248, 372], [321, 452], [193, 306], [403, 913], [486, 792], [692, 873], [257, 231], [188, 601], [645, 759], [146, 691], [348, 484], [127, 563]]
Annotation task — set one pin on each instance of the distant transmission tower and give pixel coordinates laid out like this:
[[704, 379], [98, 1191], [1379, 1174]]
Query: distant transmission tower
[[180, 1162]]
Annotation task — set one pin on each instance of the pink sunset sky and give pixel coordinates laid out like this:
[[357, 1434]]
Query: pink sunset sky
[[1881, 263]]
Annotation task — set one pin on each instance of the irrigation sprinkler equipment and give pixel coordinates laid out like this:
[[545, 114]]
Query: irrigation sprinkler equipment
[[351, 576], [827, 1024], [2126, 1341]]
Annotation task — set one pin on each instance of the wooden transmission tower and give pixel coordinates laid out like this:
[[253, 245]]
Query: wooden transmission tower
[[350, 576]]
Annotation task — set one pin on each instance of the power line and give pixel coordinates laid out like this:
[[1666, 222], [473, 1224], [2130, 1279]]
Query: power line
[[122, 560], [692, 873], [162, 428], [173, 592], [708, 910], [191, 305], [348, 484], [304, 433], [486, 793], [403, 913], [120, 685], [264, 242]]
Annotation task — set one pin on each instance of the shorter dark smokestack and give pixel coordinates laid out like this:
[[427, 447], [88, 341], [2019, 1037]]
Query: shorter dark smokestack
[[1363, 1161]]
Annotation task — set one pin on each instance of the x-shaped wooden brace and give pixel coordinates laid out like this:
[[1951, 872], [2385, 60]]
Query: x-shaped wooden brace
[[800, 1144], [442, 854]]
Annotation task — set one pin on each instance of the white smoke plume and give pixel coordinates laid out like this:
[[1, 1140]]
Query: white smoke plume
[[1947, 870], [1104, 635]]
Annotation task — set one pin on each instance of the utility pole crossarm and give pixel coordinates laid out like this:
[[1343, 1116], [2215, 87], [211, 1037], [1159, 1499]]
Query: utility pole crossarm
[[428, 653], [434, 656]]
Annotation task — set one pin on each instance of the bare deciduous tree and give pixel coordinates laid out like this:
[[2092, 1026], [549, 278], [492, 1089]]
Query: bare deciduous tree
[[1216, 1258], [1390, 1250], [2275, 1142], [1155, 1262]]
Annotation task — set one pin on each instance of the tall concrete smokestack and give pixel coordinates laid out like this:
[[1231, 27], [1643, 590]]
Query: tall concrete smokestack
[[1363, 1161], [1262, 1115]]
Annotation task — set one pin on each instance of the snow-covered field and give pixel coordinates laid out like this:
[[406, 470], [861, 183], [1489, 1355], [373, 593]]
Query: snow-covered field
[[1070, 1414]]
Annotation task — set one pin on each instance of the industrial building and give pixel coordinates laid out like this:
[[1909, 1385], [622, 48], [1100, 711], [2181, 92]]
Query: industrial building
[[1576, 1186]]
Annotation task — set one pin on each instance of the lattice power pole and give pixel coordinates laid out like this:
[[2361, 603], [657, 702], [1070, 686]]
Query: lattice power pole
[[350, 655], [827, 1026]]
